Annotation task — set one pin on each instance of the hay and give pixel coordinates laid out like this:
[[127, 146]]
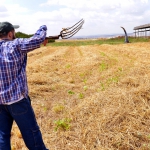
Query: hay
[[114, 112]]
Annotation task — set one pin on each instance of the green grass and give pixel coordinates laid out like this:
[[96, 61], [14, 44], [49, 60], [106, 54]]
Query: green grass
[[112, 41], [62, 124]]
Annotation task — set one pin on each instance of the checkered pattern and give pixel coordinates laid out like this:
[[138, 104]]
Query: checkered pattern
[[13, 61]]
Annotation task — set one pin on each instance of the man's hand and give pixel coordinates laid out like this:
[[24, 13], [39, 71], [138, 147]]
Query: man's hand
[[45, 42], [44, 27]]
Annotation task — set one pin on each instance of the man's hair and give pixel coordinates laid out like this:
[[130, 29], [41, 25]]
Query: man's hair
[[2, 36]]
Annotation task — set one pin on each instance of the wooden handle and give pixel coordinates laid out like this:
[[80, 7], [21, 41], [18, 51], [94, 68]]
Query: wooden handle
[[53, 37]]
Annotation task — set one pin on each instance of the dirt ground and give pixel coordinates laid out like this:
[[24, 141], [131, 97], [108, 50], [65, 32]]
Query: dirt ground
[[90, 97]]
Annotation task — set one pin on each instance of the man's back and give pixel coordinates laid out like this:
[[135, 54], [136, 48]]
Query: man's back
[[13, 60], [13, 82]]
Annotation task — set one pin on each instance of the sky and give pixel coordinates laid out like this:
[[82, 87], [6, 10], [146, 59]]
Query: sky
[[100, 16]]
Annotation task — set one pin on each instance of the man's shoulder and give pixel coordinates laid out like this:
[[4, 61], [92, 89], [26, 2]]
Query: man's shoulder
[[8, 44]]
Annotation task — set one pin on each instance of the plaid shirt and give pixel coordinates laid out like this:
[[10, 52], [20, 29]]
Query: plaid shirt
[[13, 61]]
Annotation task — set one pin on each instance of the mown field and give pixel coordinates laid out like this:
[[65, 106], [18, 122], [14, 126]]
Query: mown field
[[93, 96]]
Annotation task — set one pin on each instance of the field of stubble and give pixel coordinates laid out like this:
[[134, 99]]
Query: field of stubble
[[90, 97]]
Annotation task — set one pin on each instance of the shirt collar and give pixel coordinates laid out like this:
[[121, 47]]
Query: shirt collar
[[2, 40]]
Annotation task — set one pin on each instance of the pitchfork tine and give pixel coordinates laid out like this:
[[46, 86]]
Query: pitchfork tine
[[72, 28], [74, 24], [72, 32], [67, 36]]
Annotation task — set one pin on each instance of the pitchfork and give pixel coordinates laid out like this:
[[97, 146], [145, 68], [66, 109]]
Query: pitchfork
[[68, 32]]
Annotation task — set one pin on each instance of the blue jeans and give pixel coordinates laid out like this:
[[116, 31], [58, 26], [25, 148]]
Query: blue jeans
[[22, 113]]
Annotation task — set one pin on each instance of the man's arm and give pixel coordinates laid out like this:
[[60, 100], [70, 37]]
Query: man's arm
[[29, 44]]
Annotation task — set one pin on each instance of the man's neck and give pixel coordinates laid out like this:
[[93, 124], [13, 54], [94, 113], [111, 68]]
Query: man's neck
[[4, 39]]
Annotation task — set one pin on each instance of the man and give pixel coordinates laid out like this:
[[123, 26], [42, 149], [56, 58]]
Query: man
[[14, 100]]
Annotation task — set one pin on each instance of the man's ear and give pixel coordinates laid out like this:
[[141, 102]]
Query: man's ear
[[10, 35]]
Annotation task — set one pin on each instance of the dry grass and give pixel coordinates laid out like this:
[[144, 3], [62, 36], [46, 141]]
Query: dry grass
[[103, 89]]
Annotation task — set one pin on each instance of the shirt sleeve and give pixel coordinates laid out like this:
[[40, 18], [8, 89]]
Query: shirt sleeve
[[29, 44]]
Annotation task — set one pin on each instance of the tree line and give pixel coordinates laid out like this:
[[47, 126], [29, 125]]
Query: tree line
[[23, 35]]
